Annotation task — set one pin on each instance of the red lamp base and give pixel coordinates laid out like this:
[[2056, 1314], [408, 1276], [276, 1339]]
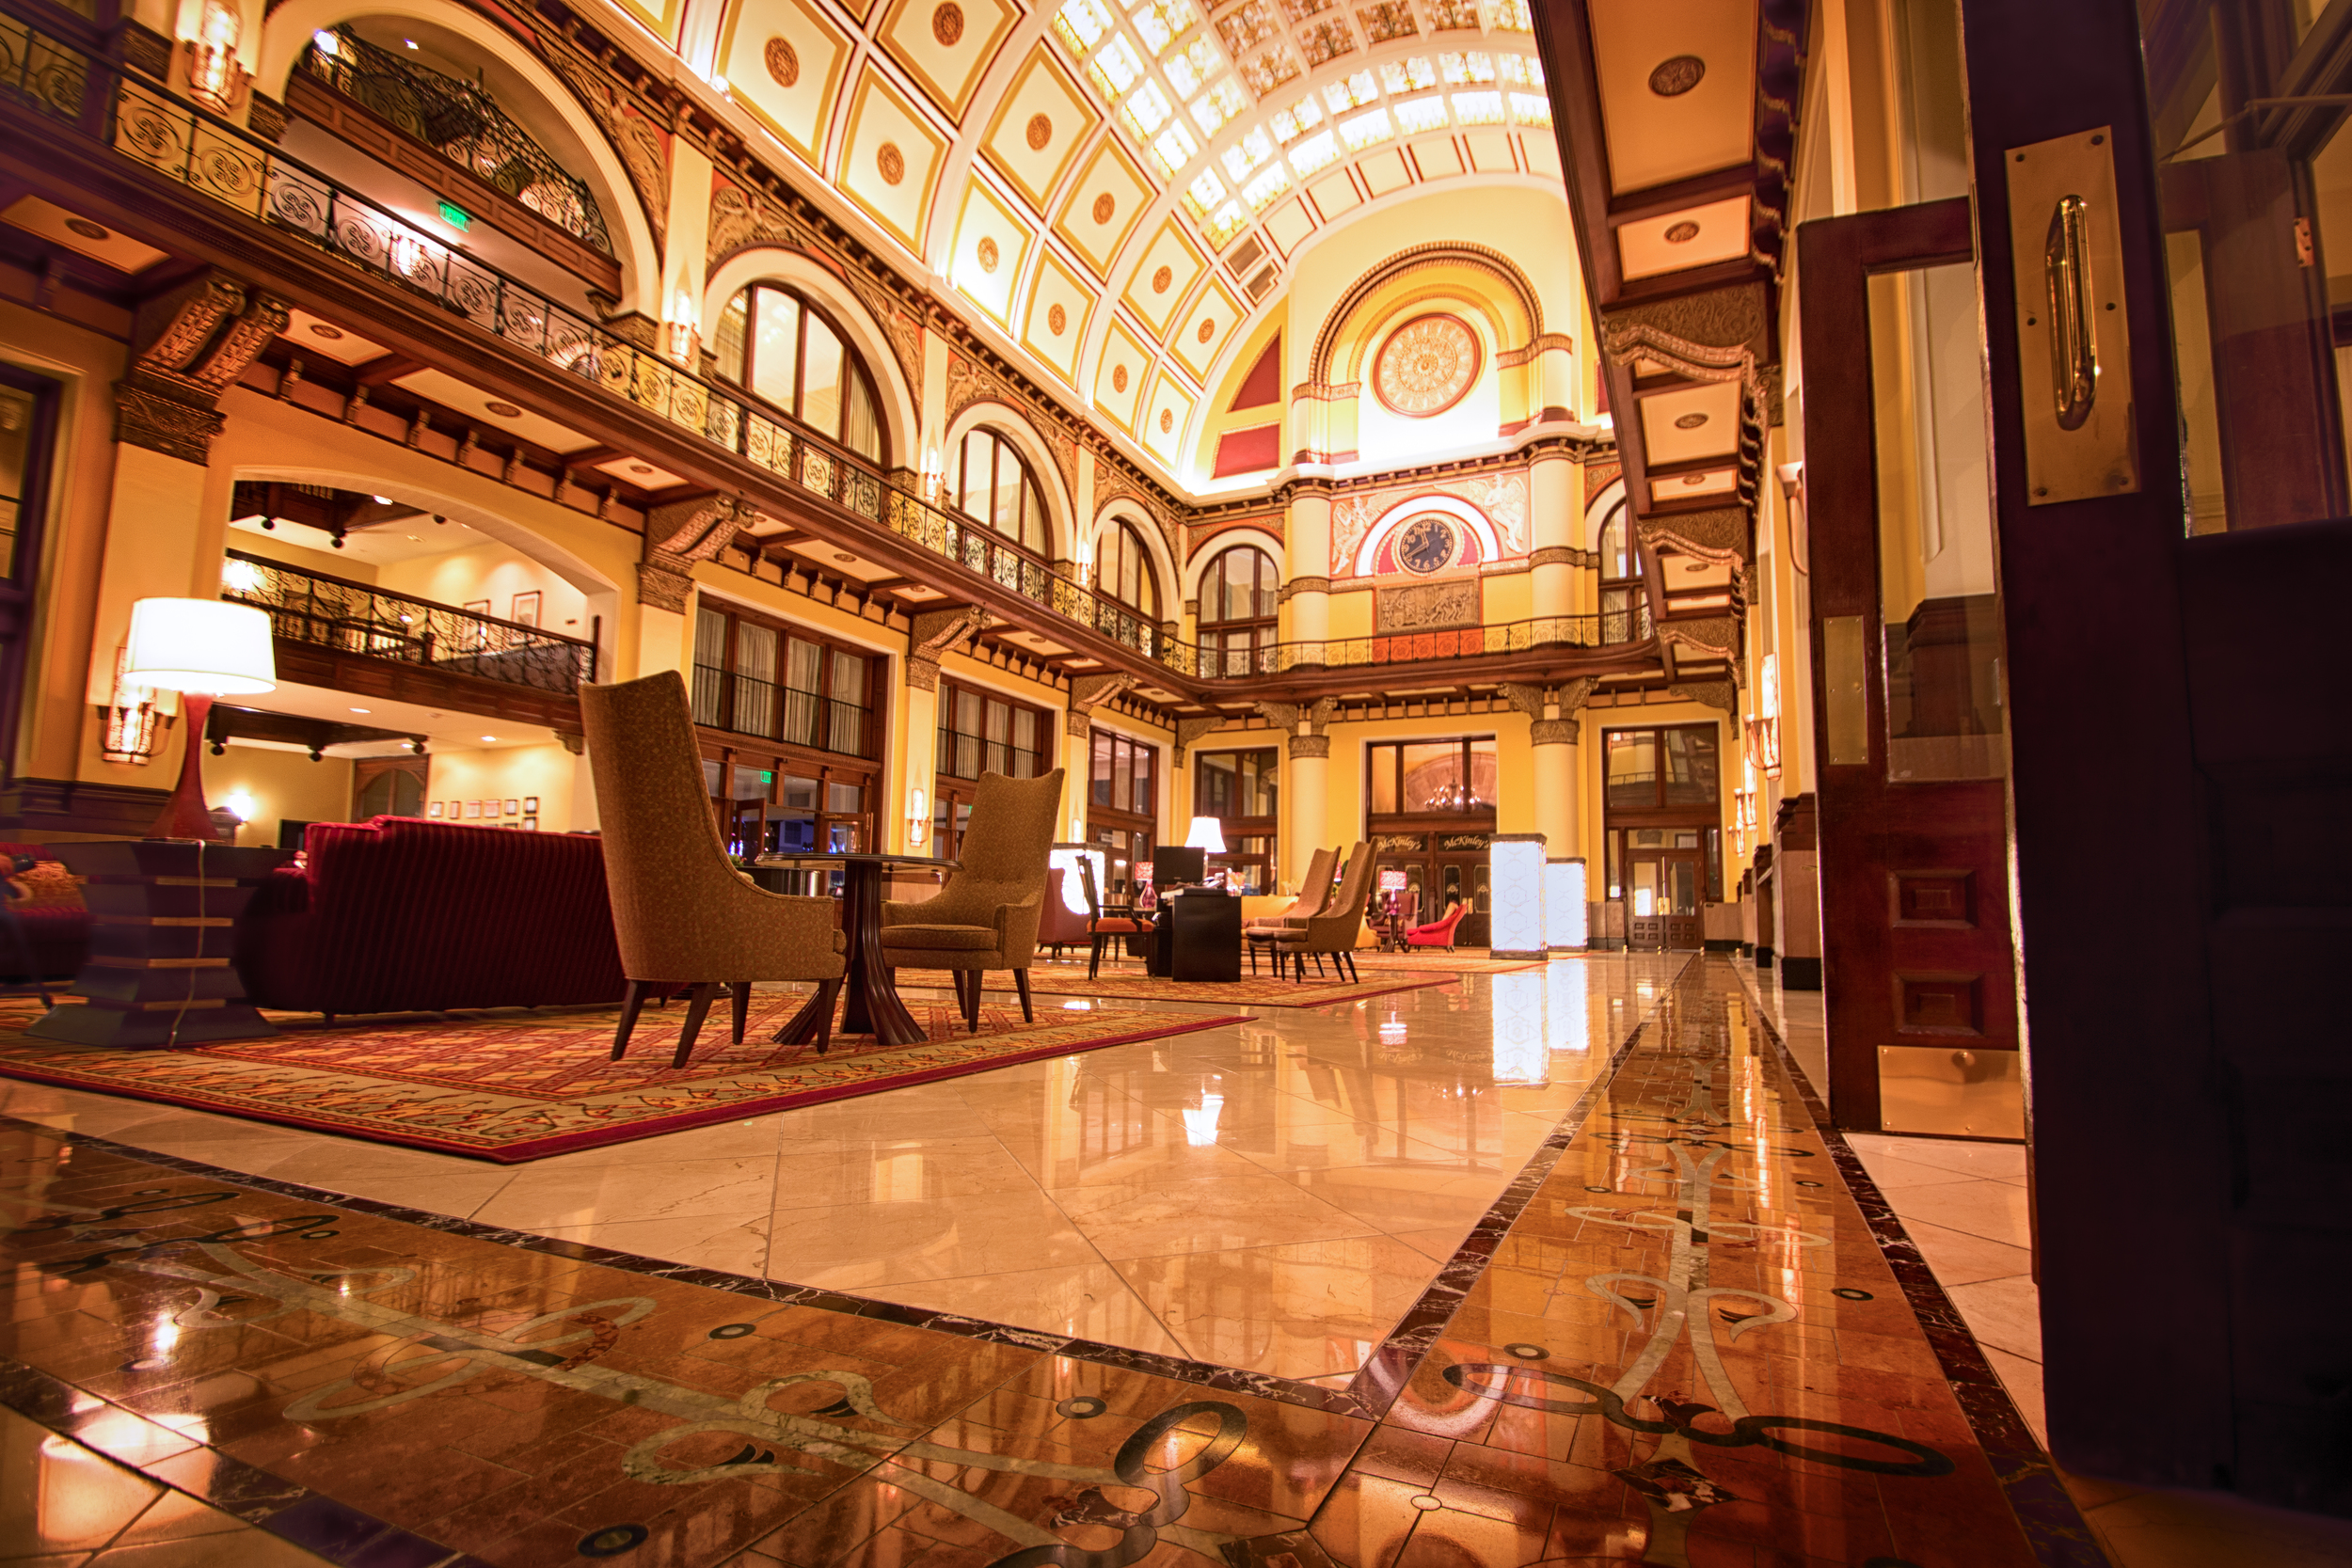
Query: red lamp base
[[185, 815]]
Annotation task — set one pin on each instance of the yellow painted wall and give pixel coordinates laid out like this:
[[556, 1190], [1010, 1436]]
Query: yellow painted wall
[[287, 553], [493, 571], [503, 773]]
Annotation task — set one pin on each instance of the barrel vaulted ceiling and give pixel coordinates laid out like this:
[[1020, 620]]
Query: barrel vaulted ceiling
[[1118, 185]]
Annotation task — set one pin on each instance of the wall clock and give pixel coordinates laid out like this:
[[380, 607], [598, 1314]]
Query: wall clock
[[1425, 544]]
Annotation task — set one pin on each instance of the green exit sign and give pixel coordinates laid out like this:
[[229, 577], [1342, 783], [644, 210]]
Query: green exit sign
[[456, 217], [767, 777]]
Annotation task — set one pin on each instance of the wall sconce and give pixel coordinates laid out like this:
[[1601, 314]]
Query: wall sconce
[[215, 79], [929, 472], [1515, 873], [918, 817], [685, 328], [132, 716], [1764, 725]]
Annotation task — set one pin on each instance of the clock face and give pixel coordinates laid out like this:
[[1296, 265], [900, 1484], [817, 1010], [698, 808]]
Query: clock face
[[1426, 544]]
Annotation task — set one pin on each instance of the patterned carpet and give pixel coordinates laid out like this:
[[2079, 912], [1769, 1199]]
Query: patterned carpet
[[517, 1086], [1126, 979]]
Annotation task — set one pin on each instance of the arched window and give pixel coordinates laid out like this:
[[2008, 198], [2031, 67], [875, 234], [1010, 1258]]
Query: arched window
[[991, 486], [773, 341], [1624, 603], [1238, 608], [1122, 571]]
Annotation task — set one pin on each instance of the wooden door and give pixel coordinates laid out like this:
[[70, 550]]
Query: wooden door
[[1919, 976], [388, 786], [1663, 897]]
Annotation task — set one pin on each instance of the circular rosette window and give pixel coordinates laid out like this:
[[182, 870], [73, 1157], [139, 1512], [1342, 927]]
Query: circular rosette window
[[1426, 367]]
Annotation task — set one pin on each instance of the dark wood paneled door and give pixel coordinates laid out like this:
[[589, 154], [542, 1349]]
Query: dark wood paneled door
[[1918, 970]]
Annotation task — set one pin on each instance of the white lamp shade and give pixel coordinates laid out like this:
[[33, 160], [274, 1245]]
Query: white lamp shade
[[206, 646], [1208, 832]]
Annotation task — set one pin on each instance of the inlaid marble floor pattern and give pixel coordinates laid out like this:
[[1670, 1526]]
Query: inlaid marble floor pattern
[[1269, 1196]]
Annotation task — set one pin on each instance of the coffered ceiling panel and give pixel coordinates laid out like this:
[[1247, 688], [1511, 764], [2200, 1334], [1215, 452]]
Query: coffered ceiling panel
[[992, 243], [946, 45], [1059, 303], [1694, 486], [1109, 196], [1678, 88], [1167, 415], [891, 161], [1163, 276], [1207, 326], [1692, 422], [1693, 237], [1039, 126], [784, 63], [1118, 376]]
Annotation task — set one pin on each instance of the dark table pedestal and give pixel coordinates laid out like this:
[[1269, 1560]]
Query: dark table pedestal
[[162, 939], [1199, 937]]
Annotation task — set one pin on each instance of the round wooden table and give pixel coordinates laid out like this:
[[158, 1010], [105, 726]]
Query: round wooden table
[[871, 1004]]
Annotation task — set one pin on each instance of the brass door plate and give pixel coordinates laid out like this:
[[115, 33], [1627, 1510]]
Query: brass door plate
[[1956, 1091], [2067, 258]]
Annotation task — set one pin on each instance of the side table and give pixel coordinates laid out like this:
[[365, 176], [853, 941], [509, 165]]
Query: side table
[[161, 969]]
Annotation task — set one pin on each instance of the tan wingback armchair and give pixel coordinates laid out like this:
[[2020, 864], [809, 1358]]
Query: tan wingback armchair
[[681, 912], [1314, 891], [987, 915], [1334, 930]]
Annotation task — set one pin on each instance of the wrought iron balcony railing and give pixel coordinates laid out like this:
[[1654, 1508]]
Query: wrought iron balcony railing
[[462, 123], [355, 618], [745, 704], [143, 122]]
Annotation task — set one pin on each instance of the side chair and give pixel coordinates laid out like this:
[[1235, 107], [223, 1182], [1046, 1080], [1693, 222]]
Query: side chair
[[1101, 927], [1334, 931], [986, 916], [1314, 891]]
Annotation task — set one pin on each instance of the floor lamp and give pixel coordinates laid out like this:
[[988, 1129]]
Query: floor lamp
[[202, 649]]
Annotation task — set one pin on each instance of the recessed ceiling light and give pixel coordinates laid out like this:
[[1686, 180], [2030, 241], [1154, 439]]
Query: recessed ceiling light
[[410, 42], [489, 738], [383, 500], [363, 710]]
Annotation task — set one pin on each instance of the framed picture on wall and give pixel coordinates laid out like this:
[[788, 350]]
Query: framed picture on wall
[[436, 810], [473, 808], [513, 808], [531, 805], [477, 607], [456, 810], [530, 824], [525, 612]]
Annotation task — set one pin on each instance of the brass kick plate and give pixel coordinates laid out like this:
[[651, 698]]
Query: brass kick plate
[[1955, 1091]]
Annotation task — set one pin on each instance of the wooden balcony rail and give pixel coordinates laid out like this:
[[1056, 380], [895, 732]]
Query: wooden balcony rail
[[142, 122], [355, 618]]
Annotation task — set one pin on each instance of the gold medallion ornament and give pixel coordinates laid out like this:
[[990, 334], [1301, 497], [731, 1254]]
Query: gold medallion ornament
[[1426, 366], [1168, 420], [987, 254], [1105, 206], [783, 63], [1682, 234], [1162, 278], [1208, 329], [1119, 378], [1056, 319], [948, 25], [1041, 131], [892, 162]]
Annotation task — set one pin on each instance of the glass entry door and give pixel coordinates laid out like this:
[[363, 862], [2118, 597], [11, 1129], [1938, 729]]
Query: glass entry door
[[1662, 889]]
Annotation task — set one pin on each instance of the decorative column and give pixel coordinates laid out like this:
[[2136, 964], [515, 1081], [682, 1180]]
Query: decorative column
[[678, 536], [931, 635], [1306, 566], [1554, 516], [1310, 753], [1087, 693]]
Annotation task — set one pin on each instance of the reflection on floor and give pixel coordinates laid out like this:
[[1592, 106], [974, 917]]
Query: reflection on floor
[[1673, 1336], [1269, 1196]]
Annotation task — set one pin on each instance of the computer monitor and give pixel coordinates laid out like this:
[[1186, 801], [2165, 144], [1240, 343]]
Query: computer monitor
[[1174, 865]]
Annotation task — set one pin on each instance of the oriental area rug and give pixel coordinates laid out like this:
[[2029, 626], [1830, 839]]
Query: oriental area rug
[[513, 1087]]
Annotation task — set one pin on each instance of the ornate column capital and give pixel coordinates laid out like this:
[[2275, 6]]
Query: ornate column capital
[[1553, 731], [1310, 747]]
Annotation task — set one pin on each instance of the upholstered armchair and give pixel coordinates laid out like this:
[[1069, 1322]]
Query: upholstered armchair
[[1336, 930], [682, 913], [1314, 891], [987, 915], [1438, 932]]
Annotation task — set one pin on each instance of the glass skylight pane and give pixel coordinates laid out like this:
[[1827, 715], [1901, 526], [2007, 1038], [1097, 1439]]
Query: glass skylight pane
[[1508, 16], [1317, 153], [1226, 222], [1181, 75], [1082, 24], [1416, 114], [1474, 66], [1531, 109], [1291, 123], [1478, 108], [1202, 194], [1146, 110], [1359, 87], [1245, 155], [1116, 68], [1513, 69], [1409, 75], [1162, 23], [1175, 147], [1365, 129], [1265, 187], [1218, 104]]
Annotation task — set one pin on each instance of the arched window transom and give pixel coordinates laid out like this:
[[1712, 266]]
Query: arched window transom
[[775, 341], [992, 484], [1124, 571], [1238, 598]]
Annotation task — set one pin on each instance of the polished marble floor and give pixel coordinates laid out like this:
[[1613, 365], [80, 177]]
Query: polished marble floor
[[1269, 1196]]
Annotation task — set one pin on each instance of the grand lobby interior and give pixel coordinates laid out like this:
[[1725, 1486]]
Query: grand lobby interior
[[1205, 784]]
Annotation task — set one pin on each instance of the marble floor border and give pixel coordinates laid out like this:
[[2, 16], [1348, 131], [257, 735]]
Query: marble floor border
[[2053, 1525], [1368, 1394]]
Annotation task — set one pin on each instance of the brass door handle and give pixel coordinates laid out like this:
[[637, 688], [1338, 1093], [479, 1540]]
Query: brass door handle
[[2074, 353]]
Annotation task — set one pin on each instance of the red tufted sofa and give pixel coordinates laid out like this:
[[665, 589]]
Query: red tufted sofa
[[54, 922], [404, 915]]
